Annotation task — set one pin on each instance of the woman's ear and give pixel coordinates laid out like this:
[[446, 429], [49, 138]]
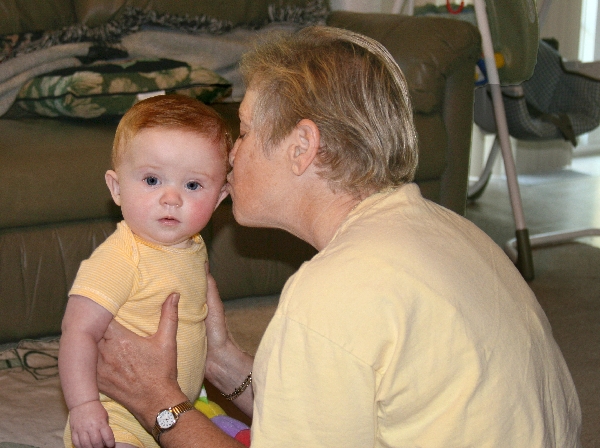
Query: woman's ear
[[112, 182], [305, 146]]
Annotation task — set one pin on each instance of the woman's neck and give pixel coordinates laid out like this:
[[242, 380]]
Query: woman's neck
[[320, 218]]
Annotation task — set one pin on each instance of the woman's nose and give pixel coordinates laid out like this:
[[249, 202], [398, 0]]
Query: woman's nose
[[233, 151]]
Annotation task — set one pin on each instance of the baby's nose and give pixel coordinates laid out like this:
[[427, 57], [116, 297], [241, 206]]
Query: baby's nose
[[171, 198]]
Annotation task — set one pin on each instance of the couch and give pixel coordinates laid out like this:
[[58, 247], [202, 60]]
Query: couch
[[55, 208]]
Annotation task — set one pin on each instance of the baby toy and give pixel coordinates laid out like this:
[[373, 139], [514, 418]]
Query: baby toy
[[236, 429]]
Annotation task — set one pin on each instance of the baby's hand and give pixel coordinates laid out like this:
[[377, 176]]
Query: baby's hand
[[89, 426]]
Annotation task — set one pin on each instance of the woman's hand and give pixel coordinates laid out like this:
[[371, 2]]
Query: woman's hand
[[226, 364], [141, 372], [217, 334]]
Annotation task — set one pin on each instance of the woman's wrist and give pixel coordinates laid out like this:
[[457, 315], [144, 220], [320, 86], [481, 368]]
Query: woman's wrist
[[228, 368], [162, 398]]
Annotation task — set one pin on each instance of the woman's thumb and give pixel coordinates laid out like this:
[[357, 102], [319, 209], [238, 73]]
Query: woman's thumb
[[167, 326]]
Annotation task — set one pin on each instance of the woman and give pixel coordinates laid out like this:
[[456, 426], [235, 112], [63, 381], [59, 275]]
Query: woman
[[410, 327]]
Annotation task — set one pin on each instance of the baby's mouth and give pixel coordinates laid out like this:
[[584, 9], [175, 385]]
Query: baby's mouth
[[168, 220]]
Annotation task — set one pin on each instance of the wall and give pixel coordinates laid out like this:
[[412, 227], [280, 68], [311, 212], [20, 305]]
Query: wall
[[357, 5], [562, 23]]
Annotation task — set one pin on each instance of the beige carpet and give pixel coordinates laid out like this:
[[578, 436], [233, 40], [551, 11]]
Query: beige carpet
[[247, 319], [567, 285]]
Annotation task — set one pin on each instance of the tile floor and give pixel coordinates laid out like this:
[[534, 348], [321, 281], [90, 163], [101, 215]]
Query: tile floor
[[567, 199]]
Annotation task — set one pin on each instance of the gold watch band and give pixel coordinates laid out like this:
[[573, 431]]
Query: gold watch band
[[176, 410]]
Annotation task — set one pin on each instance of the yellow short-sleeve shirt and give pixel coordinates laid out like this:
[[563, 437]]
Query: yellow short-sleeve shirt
[[131, 278]]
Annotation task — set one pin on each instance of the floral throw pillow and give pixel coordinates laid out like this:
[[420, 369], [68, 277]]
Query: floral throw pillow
[[111, 88]]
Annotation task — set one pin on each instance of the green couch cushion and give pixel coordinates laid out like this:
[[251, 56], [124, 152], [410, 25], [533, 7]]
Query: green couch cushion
[[110, 88]]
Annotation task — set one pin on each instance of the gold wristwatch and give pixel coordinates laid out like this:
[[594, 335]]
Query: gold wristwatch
[[167, 418]]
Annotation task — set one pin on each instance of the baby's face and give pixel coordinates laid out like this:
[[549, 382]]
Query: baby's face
[[169, 184]]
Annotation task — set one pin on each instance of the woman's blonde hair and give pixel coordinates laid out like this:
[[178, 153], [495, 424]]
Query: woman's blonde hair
[[171, 112], [352, 89]]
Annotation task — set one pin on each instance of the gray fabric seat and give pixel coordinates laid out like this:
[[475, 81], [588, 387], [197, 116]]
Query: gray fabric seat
[[554, 103]]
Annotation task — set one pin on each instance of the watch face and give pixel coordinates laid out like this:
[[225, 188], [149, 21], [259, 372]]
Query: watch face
[[165, 419]]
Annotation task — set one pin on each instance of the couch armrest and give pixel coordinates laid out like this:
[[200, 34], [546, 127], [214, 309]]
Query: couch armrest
[[438, 57]]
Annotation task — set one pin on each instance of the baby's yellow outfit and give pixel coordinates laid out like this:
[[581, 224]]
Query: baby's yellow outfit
[[131, 278]]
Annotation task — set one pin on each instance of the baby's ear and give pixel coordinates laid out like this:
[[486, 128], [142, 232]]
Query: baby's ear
[[222, 195], [112, 181]]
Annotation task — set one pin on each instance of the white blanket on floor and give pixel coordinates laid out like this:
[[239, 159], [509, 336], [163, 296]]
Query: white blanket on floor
[[31, 397]]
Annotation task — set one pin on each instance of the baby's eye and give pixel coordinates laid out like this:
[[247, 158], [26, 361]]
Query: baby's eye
[[151, 180], [192, 185]]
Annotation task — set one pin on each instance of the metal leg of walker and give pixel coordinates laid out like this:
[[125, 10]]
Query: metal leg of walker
[[524, 259], [544, 239]]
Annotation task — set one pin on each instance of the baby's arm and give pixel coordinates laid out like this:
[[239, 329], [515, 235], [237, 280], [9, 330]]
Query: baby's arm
[[83, 326]]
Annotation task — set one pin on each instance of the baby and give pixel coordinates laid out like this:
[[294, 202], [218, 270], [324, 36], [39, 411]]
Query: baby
[[169, 162]]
